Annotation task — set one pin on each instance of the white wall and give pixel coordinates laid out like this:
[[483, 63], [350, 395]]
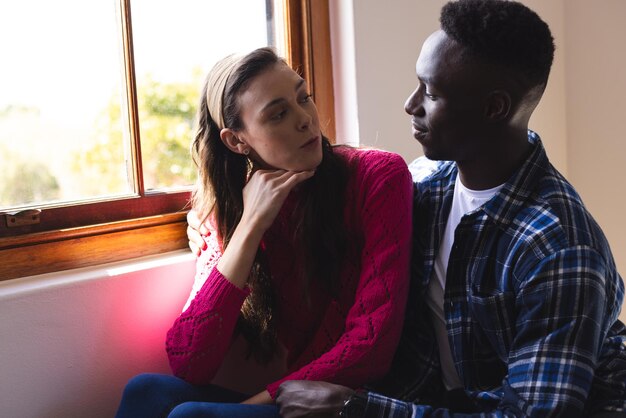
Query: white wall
[[595, 37], [578, 118], [70, 341]]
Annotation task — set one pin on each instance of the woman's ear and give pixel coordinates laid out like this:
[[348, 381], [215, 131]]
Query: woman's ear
[[233, 142], [498, 105]]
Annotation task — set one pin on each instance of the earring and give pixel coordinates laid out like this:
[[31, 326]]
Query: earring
[[246, 151]]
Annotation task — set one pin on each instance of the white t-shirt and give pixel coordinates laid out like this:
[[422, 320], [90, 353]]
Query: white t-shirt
[[463, 202]]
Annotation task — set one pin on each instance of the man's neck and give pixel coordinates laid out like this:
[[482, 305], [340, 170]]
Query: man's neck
[[495, 166]]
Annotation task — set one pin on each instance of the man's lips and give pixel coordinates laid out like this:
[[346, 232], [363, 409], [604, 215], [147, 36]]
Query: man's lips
[[419, 128]]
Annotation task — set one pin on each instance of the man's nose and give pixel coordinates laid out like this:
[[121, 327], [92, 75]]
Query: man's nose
[[413, 104]]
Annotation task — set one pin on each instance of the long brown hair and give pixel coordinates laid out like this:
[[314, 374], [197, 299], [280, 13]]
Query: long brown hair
[[319, 231]]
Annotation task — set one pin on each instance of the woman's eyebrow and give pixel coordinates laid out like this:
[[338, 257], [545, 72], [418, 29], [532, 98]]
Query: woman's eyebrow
[[278, 100], [300, 83]]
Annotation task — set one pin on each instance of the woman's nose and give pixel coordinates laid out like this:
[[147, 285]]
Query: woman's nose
[[305, 119]]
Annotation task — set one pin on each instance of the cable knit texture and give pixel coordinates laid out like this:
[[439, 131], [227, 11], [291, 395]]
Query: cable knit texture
[[349, 339]]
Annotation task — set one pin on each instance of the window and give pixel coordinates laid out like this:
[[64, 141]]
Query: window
[[96, 117]]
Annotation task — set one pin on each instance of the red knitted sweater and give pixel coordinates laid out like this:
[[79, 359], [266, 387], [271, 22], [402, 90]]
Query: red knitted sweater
[[348, 340]]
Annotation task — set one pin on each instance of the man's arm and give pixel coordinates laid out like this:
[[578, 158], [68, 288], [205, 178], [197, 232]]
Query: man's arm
[[312, 399], [305, 398], [561, 321]]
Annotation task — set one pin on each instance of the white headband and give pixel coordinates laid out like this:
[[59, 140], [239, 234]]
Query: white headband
[[216, 83]]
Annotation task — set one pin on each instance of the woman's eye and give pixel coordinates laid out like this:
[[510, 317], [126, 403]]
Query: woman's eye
[[279, 115], [430, 96], [306, 98]]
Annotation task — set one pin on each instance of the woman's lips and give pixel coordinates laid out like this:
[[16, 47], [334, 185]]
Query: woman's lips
[[310, 142]]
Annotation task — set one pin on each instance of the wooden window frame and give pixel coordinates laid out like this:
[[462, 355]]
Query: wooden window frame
[[153, 223]]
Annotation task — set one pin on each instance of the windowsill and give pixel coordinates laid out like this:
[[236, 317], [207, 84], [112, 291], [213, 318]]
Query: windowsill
[[62, 250], [68, 277]]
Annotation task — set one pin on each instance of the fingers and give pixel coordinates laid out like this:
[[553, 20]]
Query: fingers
[[283, 179], [196, 239], [195, 223], [296, 178], [265, 194], [192, 219], [194, 249]]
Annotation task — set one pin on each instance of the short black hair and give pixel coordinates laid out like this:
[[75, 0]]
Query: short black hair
[[503, 32]]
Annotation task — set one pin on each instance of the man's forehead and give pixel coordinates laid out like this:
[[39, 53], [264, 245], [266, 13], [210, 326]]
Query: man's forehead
[[444, 64], [436, 40], [437, 54]]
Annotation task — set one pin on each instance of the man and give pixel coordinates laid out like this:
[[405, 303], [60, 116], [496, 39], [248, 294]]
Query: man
[[515, 294]]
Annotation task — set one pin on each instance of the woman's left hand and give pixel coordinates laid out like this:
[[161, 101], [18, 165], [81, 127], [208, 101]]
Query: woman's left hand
[[262, 398]]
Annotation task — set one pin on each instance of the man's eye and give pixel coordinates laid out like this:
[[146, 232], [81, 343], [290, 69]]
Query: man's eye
[[424, 89], [306, 98]]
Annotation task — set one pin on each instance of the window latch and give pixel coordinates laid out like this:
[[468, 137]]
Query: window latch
[[23, 217]]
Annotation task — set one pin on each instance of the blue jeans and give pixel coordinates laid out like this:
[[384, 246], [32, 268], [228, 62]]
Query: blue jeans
[[159, 396]]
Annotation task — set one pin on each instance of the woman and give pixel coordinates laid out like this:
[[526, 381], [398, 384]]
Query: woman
[[309, 247]]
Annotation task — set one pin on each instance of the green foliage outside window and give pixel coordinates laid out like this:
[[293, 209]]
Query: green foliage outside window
[[166, 115], [103, 166]]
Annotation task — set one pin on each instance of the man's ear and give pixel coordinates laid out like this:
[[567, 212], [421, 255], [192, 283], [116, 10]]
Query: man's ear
[[233, 142], [498, 105]]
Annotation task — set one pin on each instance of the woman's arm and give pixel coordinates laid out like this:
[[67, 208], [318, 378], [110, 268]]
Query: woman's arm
[[263, 197], [373, 324], [198, 340], [262, 398]]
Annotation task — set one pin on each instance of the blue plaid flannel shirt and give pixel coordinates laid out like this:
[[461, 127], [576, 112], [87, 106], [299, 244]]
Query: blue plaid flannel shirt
[[531, 301]]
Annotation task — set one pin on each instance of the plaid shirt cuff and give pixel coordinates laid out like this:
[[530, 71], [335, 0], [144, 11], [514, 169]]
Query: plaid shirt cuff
[[379, 406]]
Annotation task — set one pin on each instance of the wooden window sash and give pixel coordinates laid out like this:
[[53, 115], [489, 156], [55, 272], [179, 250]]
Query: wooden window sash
[[104, 209], [308, 51], [162, 227]]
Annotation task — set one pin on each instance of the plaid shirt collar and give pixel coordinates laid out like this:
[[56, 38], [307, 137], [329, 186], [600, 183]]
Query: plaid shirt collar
[[515, 192]]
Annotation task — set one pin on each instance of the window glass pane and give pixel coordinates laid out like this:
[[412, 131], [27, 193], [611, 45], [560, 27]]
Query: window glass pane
[[175, 44], [62, 122]]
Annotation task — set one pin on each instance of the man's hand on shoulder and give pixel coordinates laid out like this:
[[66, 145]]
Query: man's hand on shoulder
[[196, 232], [303, 398]]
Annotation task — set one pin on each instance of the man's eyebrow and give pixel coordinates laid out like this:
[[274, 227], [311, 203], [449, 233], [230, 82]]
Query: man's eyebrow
[[425, 79], [274, 102]]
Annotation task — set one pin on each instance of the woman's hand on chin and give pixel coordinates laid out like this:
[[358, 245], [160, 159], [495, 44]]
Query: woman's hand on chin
[[265, 194]]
